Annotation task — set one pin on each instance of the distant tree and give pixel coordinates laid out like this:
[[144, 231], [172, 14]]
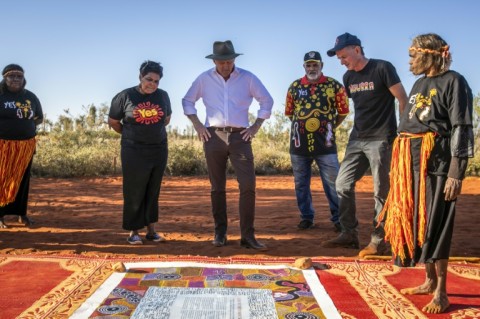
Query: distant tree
[[190, 132], [173, 132], [47, 124], [91, 117], [102, 116], [277, 125], [64, 123], [476, 115], [476, 125], [96, 117], [80, 123]]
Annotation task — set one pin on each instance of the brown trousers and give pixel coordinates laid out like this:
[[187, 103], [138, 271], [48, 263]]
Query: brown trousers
[[218, 149]]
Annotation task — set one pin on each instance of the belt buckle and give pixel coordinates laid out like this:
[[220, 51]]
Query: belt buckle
[[227, 129]]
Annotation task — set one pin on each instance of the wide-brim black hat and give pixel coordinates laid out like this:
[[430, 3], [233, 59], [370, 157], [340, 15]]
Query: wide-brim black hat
[[223, 51]]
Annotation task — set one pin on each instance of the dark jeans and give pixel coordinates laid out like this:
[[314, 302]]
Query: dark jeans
[[359, 156], [142, 168], [302, 172], [218, 149]]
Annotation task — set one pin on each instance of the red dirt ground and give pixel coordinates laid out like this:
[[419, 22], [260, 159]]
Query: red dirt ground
[[83, 216]]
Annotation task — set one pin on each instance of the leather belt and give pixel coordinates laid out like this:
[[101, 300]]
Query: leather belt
[[228, 129]]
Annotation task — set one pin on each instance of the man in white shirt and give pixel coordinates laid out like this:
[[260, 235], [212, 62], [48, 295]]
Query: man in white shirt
[[227, 93]]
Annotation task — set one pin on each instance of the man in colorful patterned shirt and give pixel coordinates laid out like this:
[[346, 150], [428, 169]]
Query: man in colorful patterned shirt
[[316, 105]]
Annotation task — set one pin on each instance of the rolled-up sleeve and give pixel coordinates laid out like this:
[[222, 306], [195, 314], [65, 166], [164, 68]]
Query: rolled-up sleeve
[[289, 103], [191, 97], [341, 100], [264, 99]]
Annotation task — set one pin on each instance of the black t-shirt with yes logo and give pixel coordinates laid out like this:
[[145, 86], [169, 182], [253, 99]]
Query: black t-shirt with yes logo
[[142, 115]]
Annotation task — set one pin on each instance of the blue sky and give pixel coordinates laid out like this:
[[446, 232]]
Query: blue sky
[[76, 53]]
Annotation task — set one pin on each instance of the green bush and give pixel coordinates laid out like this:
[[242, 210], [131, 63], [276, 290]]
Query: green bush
[[185, 157], [473, 168], [271, 154], [90, 148], [71, 154]]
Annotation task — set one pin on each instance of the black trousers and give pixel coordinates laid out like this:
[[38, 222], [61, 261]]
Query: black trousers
[[142, 167], [19, 206], [218, 149]]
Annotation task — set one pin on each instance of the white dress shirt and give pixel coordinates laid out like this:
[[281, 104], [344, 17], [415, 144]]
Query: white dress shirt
[[227, 102]]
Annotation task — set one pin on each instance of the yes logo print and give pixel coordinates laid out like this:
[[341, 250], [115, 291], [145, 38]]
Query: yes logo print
[[24, 111], [147, 113]]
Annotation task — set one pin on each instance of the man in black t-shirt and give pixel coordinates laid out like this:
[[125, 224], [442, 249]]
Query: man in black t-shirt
[[373, 86]]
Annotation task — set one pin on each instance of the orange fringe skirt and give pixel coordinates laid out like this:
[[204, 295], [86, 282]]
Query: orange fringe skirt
[[15, 155], [399, 206]]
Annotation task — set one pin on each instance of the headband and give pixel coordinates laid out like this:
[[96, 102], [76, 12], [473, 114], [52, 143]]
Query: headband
[[12, 71], [443, 51]]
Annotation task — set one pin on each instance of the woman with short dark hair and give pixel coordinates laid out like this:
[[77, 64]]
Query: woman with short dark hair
[[140, 114]]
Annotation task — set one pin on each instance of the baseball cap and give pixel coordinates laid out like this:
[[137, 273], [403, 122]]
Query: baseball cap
[[312, 56], [343, 41]]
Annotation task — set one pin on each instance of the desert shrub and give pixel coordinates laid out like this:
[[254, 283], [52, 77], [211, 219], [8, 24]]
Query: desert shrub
[[185, 157], [271, 154], [473, 168], [85, 146], [271, 162], [70, 154]]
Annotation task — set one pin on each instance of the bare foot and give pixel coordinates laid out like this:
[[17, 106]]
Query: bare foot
[[25, 221], [2, 223], [371, 249], [437, 305], [425, 289]]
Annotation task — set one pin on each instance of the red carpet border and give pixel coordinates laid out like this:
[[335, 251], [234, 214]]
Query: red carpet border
[[47, 286]]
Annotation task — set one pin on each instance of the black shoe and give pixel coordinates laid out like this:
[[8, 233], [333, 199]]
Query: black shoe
[[252, 243], [344, 240], [305, 224], [219, 241], [338, 227]]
